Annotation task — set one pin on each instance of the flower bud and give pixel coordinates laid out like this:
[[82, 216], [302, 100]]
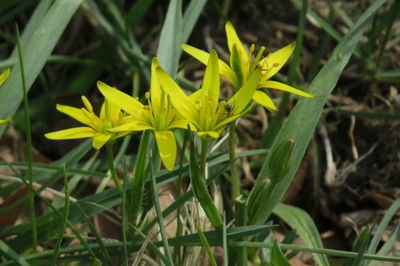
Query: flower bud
[[279, 163]]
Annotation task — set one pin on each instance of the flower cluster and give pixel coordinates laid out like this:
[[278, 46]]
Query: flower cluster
[[169, 107]]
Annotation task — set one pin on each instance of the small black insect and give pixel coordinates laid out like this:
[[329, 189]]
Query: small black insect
[[229, 109]]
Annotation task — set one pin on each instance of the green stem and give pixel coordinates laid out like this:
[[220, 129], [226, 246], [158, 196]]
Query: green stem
[[29, 144], [197, 176], [136, 197], [110, 159], [179, 227], [235, 179], [160, 218], [64, 219]]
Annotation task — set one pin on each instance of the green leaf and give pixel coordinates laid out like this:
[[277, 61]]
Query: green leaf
[[199, 187], [6, 250], [36, 52], [206, 246], [190, 17], [359, 246], [277, 257], [304, 117], [298, 219], [137, 12], [215, 237], [168, 52], [394, 208], [388, 245]]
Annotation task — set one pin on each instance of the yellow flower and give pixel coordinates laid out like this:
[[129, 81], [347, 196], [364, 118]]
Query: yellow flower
[[202, 109], [242, 65], [97, 127], [157, 116], [3, 78]]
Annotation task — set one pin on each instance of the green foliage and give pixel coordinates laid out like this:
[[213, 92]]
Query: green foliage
[[121, 48]]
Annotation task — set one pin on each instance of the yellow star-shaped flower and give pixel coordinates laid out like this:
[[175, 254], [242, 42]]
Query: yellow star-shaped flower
[[202, 109], [97, 126], [242, 65], [158, 115]]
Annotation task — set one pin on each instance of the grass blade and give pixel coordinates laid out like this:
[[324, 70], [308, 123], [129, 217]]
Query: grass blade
[[160, 217], [28, 142], [190, 17], [383, 225], [12, 254], [169, 49], [64, 219], [36, 53], [206, 246], [298, 219]]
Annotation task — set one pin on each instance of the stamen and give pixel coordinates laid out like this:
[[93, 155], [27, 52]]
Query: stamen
[[257, 58], [87, 104]]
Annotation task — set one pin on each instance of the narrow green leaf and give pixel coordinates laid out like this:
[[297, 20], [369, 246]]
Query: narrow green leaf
[[171, 38], [200, 188], [159, 215], [215, 237], [137, 12], [136, 196], [277, 257], [394, 208], [36, 53], [298, 219], [190, 17], [325, 251], [206, 246], [64, 219], [388, 245], [7, 251], [359, 246]]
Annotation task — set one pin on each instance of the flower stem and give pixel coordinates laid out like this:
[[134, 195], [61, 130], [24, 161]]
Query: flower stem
[[110, 159], [235, 181], [197, 177], [136, 197], [203, 156]]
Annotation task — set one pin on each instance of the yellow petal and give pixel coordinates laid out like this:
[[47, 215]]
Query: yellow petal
[[233, 40], [242, 97], [75, 113], [275, 61], [178, 98], [203, 57], [135, 125], [166, 147], [178, 124], [208, 134], [283, 87], [113, 110], [211, 82], [123, 100], [4, 76], [156, 92], [196, 96], [263, 99], [87, 103], [100, 139], [240, 68], [72, 133]]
